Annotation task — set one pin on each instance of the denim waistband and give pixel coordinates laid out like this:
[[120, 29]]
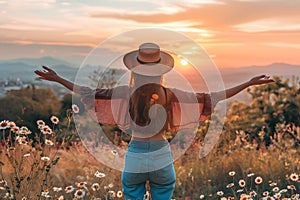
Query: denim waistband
[[147, 156], [147, 145]]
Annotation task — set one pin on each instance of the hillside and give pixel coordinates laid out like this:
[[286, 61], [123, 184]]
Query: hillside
[[23, 68]]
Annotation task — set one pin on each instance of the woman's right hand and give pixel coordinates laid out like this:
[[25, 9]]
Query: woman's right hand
[[47, 74]]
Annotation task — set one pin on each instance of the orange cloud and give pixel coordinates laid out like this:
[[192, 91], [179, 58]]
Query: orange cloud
[[216, 16]]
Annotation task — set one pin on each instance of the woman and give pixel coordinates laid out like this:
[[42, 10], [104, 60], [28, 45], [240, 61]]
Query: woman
[[150, 110]]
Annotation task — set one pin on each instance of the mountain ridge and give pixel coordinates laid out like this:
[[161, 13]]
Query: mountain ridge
[[24, 68], [45, 60]]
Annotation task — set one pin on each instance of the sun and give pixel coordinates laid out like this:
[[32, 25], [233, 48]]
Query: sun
[[184, 62]]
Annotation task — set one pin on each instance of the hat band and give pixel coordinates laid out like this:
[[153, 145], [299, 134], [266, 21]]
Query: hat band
[[143, 62]]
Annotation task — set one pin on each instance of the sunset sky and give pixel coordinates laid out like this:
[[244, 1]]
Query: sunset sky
[[234, 33]]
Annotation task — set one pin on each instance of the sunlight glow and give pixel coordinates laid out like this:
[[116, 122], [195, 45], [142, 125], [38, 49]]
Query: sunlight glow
[[184, 62]]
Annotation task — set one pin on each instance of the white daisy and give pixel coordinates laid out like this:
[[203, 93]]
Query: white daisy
[[232, 173], [230, 185], [57, 189], [112, 194], [22, 140], [283, 191], [277, 195], [99, 174], [273, 184], [294, 177], [45, 193], [4, 124], [40, 123], [258, 180], [45, 158], [81, 184], [252, 193], [24, 131], [15, 129], [275, 189], [242, 183], [46, 130], [69, 189], [48, 142], [61, 197], [79, 194], [265, 193], [119, 194], [12, 124], [54, 120], [75, 108], [291, 187], [95, 186]]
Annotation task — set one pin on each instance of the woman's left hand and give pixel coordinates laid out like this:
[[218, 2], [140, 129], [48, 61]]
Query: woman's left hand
[[262, 79]]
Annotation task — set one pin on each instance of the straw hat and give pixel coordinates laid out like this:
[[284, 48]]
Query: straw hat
[[149, 60]]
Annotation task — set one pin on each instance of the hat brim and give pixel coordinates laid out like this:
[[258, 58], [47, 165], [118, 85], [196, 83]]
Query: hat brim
[[165, 64]]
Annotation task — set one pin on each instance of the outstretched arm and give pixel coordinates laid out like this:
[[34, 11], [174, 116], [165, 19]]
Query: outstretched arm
[[258, 80], [50, 75]]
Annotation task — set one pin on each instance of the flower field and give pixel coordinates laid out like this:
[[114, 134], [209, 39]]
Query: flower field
[[253, 159], [46, 170]]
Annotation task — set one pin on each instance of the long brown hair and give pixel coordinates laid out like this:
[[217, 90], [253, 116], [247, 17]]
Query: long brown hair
[[143, 97]]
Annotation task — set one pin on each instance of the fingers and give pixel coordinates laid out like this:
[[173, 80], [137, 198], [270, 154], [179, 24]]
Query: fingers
[[261, 76], [261, 79], [266, 77], [47, 68], [265, 81], [40, 73]]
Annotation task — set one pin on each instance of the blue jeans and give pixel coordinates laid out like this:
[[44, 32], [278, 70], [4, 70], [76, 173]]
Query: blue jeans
[[148, 161]]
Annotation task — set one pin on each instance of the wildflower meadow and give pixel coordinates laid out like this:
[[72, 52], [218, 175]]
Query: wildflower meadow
[[256, 156]]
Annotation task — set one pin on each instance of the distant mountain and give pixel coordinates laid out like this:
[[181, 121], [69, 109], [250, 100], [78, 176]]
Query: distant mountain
[[46, 60], [232, 76], [24, 67], [26, 72]]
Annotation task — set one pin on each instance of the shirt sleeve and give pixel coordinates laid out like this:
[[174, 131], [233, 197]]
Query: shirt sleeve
[[107, 106], [187, 109]]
